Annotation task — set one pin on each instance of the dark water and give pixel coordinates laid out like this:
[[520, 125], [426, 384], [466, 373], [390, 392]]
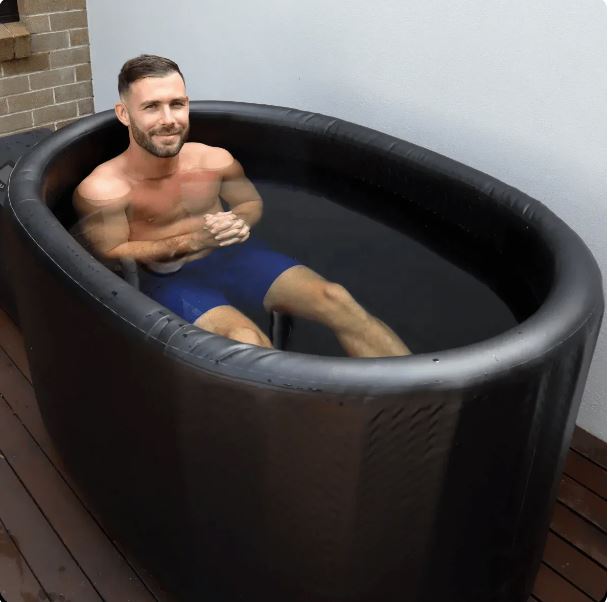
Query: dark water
[[433, 298], [426, 279]]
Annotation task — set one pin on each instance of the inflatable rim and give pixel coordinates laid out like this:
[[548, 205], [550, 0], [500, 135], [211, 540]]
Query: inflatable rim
[[572, 300]]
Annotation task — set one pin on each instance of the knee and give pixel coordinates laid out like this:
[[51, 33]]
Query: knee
[[336, 294], [334, 299], [249, 336]]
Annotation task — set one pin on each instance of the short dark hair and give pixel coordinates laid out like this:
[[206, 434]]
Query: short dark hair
[[145, 65]]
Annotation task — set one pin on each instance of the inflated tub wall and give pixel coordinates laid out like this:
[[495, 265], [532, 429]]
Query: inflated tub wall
[[236, 472]]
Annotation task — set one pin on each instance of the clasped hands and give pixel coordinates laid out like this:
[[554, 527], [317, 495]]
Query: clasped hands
[[226, 228]]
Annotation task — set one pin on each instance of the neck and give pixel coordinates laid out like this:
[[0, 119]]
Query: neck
[[146, 166]]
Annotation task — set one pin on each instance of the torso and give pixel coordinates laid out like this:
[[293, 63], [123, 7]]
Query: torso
[[173, 205]]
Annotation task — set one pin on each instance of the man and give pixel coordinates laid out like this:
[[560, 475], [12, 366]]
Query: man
[[159, 203]]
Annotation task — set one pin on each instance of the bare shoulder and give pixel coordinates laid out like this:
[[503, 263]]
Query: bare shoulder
[[105, 184], [210, 157]]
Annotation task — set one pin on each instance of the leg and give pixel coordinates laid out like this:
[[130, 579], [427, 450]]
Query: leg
[[232, 324], [194, 298], [301, 292]]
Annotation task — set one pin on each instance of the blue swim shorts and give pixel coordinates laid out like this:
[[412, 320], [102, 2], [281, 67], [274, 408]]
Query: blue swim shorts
[[239, 275]]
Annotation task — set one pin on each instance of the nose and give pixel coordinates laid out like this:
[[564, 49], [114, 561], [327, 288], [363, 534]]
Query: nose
[[166, 116]]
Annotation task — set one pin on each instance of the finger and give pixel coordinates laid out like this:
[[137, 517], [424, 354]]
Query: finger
[[225, 218], [219, 215], [224, 222], [228, 234], [244, 231], [221, 226], [226, 243], [237, 226]]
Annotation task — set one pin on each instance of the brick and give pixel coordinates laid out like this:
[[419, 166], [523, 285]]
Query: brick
[[14, 85], [73, 91], [79, 37], [75, 4], [37, 24], [12, 123], [55, 113], [72, 56], [61, 124], [69, 20], [21, 38], [23, 46], [42, 42], [86, 107], [30, 100], [17, 28], [36, 7], [3, 106], [36, 62], [83, 72], [13, 132], [52, 78], [7, 44]]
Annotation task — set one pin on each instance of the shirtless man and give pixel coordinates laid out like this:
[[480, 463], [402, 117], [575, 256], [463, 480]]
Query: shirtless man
[[158, 203]]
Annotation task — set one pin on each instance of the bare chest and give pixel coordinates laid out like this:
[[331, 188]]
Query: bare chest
[[168, 203]]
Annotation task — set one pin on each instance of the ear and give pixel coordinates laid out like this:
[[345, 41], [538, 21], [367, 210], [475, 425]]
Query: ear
[[121, 112]]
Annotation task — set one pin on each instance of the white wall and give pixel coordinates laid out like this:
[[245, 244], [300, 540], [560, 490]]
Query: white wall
[[515, 88]]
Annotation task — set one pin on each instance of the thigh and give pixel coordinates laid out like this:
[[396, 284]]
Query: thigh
[[295, 291], [181, 294], [225, 319], [250, 272]]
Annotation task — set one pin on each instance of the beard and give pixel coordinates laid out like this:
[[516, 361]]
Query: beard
[[162, 151]]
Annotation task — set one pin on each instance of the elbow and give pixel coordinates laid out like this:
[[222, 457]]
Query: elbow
[[257, 213], [111, 254]]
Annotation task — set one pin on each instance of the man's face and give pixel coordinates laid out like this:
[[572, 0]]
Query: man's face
[[157, 114]]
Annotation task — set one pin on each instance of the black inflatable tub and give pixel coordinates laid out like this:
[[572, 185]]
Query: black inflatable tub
[[241, 473]]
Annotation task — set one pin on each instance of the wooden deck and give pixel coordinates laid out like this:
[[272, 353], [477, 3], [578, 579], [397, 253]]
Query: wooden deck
[[53, 548]]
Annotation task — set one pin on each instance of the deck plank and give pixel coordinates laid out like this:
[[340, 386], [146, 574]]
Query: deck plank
[[589, 446], [586, 473], [18, 392], [551, 587], [44, 551], [99, 559], [580, 533], [575, 567], [20, 396], [17, 582], [583, 501]]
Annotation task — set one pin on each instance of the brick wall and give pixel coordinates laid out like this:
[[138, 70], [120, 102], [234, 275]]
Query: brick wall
[[51, 87]]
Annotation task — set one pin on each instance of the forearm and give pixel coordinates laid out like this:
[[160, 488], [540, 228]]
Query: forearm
[[250, 212], [141, 250], [165, 249]]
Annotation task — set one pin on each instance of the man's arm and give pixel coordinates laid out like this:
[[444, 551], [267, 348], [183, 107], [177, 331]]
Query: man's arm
[[243, 199], [240, 194], [102, 206]]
